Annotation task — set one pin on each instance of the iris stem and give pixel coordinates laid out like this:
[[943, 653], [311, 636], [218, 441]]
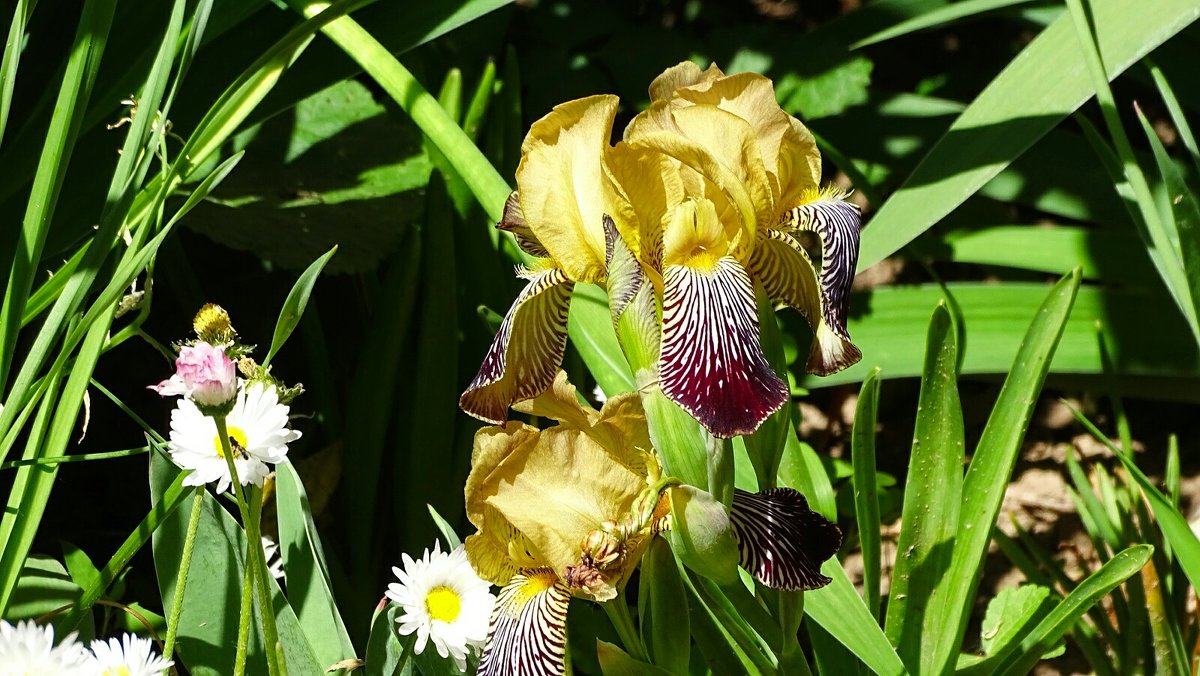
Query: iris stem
[[618, 613], [254, 553], [720, 468], [185, 565]]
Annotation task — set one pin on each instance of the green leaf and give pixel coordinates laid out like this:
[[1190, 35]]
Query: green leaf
[[386, 655], [447, 531], [1174, 526], [615, 661], [1008, 614], [936, 18], [662, 609], [293, 306], [1047, 633], [590, 326], [1183, 208], [932, 499], [44, 587], [866, 489], [840, 611], [212, 597], [310, 591], [992, 464], [701, 534], [1019, 106]]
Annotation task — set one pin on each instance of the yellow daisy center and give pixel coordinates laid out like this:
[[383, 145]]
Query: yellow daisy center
[[117, 671], [237, 439], [443, 604]]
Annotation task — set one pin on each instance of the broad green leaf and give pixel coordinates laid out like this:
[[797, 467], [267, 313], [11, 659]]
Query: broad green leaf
[[44, 588], [590, 327], [212, 597], [992, 464], [866, 489], [1042, 638], [293, 306], [310, 591], [662, 609], [1099, 253], [1018, 107], [888, 323], [932, 499]]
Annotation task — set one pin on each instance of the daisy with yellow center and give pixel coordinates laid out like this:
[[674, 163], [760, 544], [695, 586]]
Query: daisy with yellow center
[[128, 656], [258, 435], [443, 601]]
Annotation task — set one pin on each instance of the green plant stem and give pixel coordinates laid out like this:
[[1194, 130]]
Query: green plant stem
[[185, 563], [243, 636], [618, 613], [254, 553]]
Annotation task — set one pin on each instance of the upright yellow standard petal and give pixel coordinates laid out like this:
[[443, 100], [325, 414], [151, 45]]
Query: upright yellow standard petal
[[562, 187]]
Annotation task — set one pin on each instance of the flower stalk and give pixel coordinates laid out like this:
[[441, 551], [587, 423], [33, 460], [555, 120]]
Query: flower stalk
[[618, 613], [185, 565], [254, 555]]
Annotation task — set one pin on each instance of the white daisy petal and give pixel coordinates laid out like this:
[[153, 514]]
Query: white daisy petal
[[257, 422], [27, 649], [130, 655], [444, 602]]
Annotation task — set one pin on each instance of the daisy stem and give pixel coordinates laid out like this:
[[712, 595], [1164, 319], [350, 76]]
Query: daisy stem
[[618, 613], [185, 565], [254, 553], [243, 637]]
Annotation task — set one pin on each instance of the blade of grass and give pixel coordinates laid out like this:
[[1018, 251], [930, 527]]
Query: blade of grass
[[1048, 632], [988, 474], [1019, 106], [73, 94], [1176, 112], [1154, 231], [932, 499], [22, 10], [936, 18], [866, 490], [1174, 526]]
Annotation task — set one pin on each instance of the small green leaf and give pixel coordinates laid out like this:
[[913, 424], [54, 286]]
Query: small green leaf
[[447, 531], [662, 609], [615, 661], [1008, 614], [297, 300], [386, 655]]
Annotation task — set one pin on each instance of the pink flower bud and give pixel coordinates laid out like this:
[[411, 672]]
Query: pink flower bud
[[203, 374]]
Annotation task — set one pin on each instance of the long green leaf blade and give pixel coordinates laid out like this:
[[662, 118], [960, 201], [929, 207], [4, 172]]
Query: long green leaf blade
[[866, 489], [990, 468], [932, 498], [297, 300]]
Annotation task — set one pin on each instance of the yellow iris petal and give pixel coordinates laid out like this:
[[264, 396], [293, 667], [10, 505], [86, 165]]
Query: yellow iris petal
[[561, 184]]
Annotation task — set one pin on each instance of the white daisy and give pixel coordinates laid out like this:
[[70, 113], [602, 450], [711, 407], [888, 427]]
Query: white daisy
[[258, 431], [131, 655], [28, 649], [445, 600]]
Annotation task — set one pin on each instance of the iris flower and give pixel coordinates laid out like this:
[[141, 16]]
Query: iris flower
[[708, 191], [569, 511]]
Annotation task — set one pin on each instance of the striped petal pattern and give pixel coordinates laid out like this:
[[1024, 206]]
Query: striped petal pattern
[[527, 350], [527, 635], [712, 363], [625, 275], [513, 221], [781, 541], [836, 222]]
